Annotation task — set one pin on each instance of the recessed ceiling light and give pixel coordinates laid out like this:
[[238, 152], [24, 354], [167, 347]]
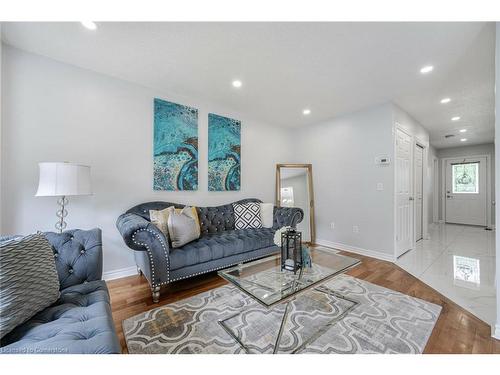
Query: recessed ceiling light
[[463, 130], [306, 111], [89, 25], [237, 83], [427, 69], [463, 139], [445, 100], [456, 118]]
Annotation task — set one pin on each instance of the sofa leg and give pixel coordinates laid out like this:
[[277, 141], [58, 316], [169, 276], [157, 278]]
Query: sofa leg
[[156, 294]]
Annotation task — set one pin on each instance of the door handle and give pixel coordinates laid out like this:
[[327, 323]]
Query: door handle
[[449, 196], [410, 199]]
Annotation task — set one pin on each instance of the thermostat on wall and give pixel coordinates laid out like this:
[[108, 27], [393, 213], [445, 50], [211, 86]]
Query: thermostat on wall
[[382, 160]]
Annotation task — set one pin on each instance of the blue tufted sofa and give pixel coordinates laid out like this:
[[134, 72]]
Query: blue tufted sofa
[[80, 321], [219, 245]]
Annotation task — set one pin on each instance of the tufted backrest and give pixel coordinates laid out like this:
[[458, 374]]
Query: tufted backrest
[[212, 219], [78, 255], [143, 208]]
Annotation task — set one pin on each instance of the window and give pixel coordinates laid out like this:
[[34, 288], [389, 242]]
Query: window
[[465, 178]]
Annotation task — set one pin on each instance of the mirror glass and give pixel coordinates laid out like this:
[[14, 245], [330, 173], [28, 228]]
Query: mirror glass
[[294, 190]]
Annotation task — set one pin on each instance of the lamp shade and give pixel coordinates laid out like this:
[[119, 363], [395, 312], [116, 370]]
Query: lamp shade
[[61, 178]]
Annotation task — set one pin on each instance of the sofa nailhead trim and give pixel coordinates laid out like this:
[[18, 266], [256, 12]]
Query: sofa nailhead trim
[[216, 269], [150, 256]]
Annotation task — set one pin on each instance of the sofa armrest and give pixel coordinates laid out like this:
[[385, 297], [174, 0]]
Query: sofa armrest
[[132, 227], [287, 217], [141, 235]]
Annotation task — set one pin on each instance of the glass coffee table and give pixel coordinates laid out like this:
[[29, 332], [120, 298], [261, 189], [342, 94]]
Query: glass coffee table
[[265, 282]]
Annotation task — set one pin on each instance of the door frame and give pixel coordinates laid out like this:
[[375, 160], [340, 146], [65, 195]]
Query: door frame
[[420, 144], [425, 181], [425, 185], [488, 184], [435, 190]]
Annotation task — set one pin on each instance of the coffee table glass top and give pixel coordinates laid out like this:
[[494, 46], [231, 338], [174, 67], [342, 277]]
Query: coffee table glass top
[[267, 283]]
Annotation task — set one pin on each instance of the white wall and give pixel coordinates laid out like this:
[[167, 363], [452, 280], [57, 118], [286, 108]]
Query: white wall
[[56, 112], [342, 152], [497, 171], [410, 125], [474, 150]]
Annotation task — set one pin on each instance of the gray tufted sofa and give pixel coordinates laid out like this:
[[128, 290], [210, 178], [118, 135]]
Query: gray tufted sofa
[[80, 321], [219, 245]]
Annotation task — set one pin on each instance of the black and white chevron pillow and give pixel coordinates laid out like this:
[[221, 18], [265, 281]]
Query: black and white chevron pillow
[[247, 215]]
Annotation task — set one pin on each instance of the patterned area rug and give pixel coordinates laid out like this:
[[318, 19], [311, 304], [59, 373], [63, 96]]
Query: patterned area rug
[[383, 321]]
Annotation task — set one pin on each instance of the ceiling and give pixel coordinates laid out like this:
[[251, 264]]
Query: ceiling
[[330, 68]]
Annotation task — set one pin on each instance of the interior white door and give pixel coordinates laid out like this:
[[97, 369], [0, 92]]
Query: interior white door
[[404, 222], [466, 191], [419, 188]]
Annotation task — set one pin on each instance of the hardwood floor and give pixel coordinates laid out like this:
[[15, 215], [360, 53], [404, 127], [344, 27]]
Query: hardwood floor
[[456, 331]]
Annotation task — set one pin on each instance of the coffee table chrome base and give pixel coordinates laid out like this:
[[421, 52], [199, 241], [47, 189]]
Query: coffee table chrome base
[[313, 337]]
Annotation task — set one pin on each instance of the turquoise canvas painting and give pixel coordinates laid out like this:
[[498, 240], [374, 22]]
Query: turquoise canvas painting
[[224, 153], [175, 165]]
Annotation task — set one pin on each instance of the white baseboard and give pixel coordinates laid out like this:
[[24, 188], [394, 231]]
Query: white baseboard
[[356, 250], [496, 331], [122, 272]]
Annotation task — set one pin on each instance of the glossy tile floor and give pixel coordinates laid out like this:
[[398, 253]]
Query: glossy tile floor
[[459, 262]]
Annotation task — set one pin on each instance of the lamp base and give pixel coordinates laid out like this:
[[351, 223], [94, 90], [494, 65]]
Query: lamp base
[[61, 213]]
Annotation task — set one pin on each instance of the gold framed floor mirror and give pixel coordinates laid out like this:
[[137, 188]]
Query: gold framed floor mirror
[[294, 188]]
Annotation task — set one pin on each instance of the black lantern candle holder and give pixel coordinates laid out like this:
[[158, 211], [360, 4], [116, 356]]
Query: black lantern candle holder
[[291, 250]]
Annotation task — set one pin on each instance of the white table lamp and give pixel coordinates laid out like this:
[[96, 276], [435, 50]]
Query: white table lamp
[[62, 179]]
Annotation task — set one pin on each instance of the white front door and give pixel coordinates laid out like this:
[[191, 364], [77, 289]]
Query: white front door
[[466, 191], [419, 187], [404, 217]]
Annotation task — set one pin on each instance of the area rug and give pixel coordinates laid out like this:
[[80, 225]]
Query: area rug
[[383, 321]]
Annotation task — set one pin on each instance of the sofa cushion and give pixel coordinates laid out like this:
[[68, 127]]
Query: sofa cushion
[[79, 322], [183, 226], [160, 218], [267, 214], [28, 279], [220, 245], [247, 215]]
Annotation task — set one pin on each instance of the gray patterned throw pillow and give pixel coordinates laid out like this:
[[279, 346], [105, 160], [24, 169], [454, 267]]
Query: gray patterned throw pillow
[[247, 215], [28, 279]]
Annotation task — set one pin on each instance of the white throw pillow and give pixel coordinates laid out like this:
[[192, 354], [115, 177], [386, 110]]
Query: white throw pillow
[[267, 214]]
